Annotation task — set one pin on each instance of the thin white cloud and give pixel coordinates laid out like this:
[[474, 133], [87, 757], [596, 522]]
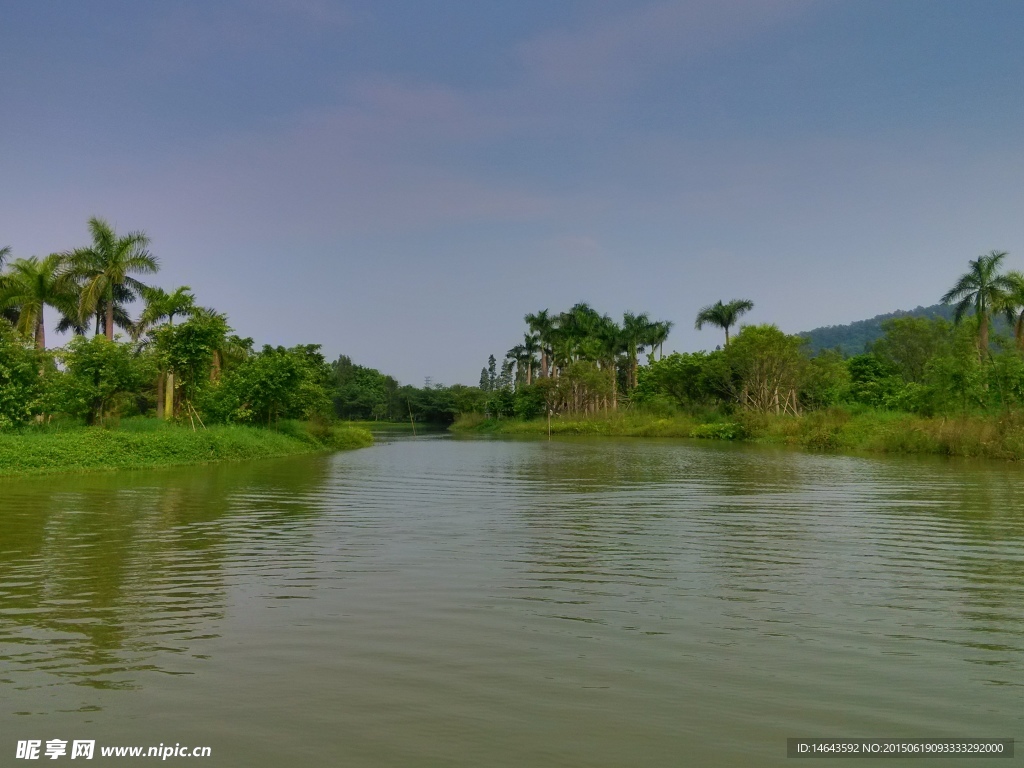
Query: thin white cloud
[[181, 36], [612, 52]]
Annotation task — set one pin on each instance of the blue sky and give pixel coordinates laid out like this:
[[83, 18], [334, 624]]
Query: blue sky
[[402, 181]]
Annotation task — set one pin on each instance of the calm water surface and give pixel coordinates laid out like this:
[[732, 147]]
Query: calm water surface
[[447, 602]]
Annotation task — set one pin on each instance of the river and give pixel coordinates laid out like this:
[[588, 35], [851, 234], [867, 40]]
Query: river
[[437, 601]]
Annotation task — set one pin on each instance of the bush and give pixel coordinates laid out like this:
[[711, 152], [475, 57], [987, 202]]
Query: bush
[[100, 379], [722, 430], [20, 382], [275, 384]]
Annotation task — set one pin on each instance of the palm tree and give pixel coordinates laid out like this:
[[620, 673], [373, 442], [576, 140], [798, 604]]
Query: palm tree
[[578, 328], [107, 266], [531, 346], [723, 315], [1011, 305], [518, 355], [659, 335], [30, 286], [982, 289], [636, 332], [10, 314], [161, 305], [612, 344], [541, 324], [78, 323], [231, 349]]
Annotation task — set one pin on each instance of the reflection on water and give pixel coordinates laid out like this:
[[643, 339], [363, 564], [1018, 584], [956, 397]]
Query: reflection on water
[[464, 602]]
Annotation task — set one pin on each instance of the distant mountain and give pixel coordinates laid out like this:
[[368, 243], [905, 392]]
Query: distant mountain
[[852, 339]]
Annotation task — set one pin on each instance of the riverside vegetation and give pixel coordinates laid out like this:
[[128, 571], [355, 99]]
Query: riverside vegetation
[[195, 391], [163, 393], [928, 385]]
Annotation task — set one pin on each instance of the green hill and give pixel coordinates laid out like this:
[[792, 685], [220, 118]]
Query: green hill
[[852, 339]]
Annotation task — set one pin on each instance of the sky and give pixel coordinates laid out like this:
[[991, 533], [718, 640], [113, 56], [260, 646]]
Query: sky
[[401, 182]]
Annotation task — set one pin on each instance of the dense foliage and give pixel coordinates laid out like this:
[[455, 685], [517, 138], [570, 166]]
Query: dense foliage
[[177, 361], [182, 362], [947, 361], [20, 380], [854, 338]]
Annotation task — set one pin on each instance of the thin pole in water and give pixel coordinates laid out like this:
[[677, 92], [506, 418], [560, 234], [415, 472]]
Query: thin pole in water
[[411, 419]]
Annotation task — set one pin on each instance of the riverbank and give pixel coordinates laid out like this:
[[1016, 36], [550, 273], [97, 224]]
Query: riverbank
[[147, 443], [992, 436]]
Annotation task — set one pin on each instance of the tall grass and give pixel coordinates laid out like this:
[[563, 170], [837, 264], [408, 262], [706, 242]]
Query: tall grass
[[836, 429], [140, 443]]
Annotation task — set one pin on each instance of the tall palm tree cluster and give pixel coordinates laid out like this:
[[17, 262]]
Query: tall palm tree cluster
[[89, 287], [555, 342], [986, 291]]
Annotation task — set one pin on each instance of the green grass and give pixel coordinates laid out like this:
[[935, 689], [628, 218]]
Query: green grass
[[999, 436], [626, 425], [142, 443]]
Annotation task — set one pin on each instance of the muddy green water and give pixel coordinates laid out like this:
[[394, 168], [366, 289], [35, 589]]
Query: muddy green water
[[456, 602]]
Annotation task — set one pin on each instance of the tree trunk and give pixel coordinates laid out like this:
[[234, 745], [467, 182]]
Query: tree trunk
[[727, 335], [110, 320], [40, 332], [215, 369], [169, 397], [983, 336], [160, 395]]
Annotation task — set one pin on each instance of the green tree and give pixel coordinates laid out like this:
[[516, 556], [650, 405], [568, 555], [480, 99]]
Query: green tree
[[33, 284], [492, 373], [106, 269], [531, 346], [637, 332], [273, 384], [981, 289], [10, 314], [20, 380], [682, 378], [659, 335], [541, 325], [161, 305], [723, 316], [764, 369], [955, 380], [467, 399], [1011, 304], [517, 357], [827, 380], [910, 343], [188, 351], [874, 380], [359, 392], [100, 378]]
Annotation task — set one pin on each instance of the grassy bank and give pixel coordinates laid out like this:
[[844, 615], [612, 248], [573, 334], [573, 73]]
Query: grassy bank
[[147, 443], [994, 436]]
